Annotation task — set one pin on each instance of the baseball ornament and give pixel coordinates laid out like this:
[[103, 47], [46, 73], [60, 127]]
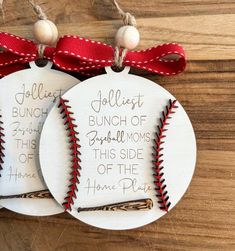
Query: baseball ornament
[[25, 100], [117, 151]]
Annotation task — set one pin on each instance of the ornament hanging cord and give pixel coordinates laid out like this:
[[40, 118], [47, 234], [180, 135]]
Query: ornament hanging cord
[[45, 31], [41, 16], [38, 10], [2, 11], [120, 52]]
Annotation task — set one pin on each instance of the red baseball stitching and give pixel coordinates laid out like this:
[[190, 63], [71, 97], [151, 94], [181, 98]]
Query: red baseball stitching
[[160, 187], [73, 136], [2, 135]]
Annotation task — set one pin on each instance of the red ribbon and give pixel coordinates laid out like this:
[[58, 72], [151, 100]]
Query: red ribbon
[[79, 54], [18, 52], [74, 53]]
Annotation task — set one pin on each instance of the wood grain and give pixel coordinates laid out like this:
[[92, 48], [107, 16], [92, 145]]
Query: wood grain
[[212, 37], [205, 217]]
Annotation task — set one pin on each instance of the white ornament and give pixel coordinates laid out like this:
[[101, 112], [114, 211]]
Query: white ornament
[[45, 32], [127, 37], [116, 116], [25, 100]]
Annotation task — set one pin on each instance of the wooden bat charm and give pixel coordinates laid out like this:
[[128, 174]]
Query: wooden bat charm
[[133, 205], [43, 194]]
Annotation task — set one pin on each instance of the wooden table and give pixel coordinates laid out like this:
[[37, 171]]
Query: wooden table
[[205, 217]]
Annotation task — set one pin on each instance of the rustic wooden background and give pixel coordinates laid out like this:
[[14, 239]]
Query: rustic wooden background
[[205, 218]]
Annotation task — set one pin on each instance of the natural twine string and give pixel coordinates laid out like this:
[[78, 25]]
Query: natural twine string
[[2, 11], [38, 10], [41, 16], [128, 19], [41, 49], [119, 55]]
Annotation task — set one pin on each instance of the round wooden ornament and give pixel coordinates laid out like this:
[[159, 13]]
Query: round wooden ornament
[[26, 98], [113, 144]]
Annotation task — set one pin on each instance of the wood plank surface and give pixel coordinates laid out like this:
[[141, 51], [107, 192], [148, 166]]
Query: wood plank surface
[[205, 217]]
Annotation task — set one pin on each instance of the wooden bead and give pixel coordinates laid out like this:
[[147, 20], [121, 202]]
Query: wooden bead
[[127, 37], [45, 32]]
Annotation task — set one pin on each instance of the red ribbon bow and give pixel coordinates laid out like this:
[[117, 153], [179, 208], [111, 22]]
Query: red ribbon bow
[[18, 52], [79, 54], [74, 53]]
